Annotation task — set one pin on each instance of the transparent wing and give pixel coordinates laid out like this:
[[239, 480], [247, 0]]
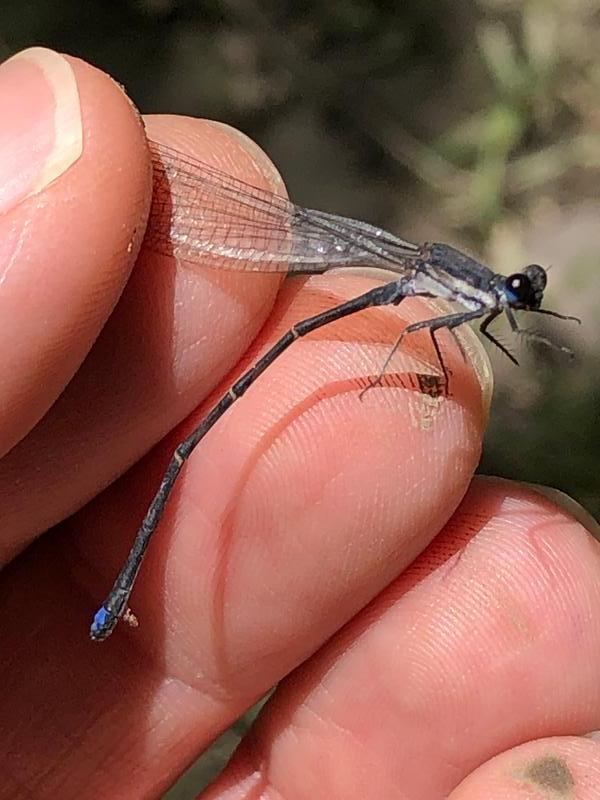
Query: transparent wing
[[202, 215]]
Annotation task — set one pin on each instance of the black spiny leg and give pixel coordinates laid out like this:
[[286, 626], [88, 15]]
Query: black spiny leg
[[534, 336], [484, 330], [448, 321]]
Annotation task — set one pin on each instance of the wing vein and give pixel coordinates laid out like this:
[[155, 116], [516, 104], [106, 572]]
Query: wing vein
[[202, 215]]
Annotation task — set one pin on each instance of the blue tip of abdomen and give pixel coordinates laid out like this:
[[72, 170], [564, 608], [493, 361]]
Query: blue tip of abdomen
[[99, 625]]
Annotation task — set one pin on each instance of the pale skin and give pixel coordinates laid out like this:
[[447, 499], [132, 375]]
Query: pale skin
[[290, 522]]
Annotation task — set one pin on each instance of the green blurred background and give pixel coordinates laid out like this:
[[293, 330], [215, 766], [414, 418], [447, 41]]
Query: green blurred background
[[474, 122]]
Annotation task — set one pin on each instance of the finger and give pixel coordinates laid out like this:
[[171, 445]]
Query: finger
[[303, 504], [560, 767], [487, 641], [74, 194], [297, 460], [175, 332]]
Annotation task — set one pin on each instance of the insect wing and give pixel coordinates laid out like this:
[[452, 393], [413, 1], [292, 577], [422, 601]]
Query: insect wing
[[202, 215]]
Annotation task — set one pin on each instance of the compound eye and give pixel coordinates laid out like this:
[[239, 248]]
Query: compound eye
[[537, 276], [518, 289]]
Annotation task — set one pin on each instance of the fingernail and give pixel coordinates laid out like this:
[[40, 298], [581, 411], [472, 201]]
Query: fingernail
[[569, 505], [41, 134]]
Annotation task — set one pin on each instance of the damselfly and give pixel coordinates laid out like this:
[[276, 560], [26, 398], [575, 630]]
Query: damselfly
[[202, 215]]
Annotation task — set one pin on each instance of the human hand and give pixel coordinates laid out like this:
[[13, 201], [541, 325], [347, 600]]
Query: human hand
[[291, 519]]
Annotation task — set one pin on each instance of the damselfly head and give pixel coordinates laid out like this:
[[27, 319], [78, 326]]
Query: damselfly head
[[526, 289]]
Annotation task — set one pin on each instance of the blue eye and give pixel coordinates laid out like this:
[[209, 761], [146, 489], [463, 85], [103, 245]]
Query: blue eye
[[518, 289]]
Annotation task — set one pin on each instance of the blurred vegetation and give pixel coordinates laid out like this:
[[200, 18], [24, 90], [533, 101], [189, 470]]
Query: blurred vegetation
[[475, 122]]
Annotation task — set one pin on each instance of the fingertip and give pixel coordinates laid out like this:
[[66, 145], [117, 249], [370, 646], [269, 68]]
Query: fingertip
[[317, 473], [230, 300], [219, 145], [569, 505], [558, 767], [72, 222]]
